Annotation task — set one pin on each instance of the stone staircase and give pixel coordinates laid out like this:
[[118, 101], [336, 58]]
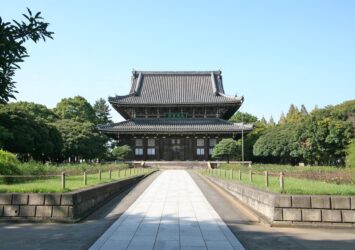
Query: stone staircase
[[177, 164]]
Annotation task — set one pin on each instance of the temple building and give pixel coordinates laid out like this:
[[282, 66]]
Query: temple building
[[175, 116]]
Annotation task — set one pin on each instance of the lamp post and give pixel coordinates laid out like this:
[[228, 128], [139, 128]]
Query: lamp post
[[242, 137]]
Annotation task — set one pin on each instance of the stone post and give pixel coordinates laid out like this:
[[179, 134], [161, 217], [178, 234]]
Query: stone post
[[250, 176], [282, 182], [110, 174], [85, 178], [266, 178], [63, 180], [100, 174], [240, 174]]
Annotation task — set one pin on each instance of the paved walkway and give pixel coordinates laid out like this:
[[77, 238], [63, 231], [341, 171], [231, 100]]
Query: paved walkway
[[172, 213]]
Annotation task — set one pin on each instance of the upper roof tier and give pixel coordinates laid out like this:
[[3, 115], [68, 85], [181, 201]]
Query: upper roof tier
[[176, 87]]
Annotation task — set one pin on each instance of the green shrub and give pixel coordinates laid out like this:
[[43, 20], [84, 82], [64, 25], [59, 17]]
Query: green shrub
[[35, 168], [350, 155], [122, 153], [225, 149], [8, 165]]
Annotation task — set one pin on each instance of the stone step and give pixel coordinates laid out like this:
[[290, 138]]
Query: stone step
[[177, 164]]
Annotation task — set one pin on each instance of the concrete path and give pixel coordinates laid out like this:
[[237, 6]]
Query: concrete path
[[171, 214]]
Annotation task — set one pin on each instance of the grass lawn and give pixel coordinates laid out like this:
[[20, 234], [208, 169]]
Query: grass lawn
[[288, 168], [292, 185], [73, 182]]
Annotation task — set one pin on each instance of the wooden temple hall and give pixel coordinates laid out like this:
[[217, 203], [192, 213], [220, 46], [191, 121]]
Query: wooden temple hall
[[175, 116]]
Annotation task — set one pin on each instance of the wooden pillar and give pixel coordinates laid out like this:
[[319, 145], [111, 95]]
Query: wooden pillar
[[206, 148]]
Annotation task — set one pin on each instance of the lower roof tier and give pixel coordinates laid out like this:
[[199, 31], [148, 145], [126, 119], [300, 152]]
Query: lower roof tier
[[166, 125]]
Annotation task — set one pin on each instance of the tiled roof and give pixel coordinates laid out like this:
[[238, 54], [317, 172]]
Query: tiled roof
[[175, 125], [176, 87]]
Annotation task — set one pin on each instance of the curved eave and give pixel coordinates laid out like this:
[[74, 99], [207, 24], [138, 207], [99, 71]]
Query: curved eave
[[120, 101]]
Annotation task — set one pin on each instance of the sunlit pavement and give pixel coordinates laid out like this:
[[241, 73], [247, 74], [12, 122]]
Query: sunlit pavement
[[172, 213]]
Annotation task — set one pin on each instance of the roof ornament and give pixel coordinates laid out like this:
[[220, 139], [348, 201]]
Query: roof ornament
[[138, 84], [214, 87]]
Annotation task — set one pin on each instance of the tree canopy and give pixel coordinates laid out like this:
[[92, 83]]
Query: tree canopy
[[75, 108], [102, 111], [27, 136], [122, 153], [81, 140], [35, 132], [225, 149], [12, 49], [243, 117], [319, 137]]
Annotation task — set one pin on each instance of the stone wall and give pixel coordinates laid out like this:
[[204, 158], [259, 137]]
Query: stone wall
[[65, 207], [302, 210]]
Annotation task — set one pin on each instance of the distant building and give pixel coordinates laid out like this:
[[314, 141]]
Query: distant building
[[175, 115]]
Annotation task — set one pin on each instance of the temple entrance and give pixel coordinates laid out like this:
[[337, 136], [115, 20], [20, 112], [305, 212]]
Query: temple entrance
[[177, 150]]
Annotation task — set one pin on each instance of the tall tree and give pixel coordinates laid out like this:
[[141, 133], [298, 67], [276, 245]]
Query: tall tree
[[263, 121], [282, 118], [37, 111], [243, 117], [271, 121], [102, 111], [303, 111], [225, 149], [27, 136], [122, 153], [293, 114], [75, 108], [81, 140], [12, 49]]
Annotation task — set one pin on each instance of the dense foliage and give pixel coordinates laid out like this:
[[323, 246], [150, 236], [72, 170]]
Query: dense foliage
[[226, 149], [350, 155], [319, 137], [28, 136], [76, 108], [81, 140], [122, 153], [67, 133], [102, 111], [8, 163], [243, 117], [12, 49]]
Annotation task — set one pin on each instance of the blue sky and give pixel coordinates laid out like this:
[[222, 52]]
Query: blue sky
[[273, 52]]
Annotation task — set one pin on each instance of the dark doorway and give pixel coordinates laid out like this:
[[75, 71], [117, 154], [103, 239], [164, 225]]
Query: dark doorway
[[177, 150]]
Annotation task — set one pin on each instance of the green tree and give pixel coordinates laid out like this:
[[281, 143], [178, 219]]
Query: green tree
[[350, 155], [8, 166], [293, 114], [102, 111], [122, 153], [81, 140], [282, 119], [36, 111], [28, 137], [225, 149], [303, 111], [280, 144], [243, 117], [263, 122], [76, 108], [271, 121], [324, 140], [12, 49]]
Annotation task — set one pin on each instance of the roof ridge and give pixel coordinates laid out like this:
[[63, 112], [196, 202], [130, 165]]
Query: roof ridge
[[202, 72]]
